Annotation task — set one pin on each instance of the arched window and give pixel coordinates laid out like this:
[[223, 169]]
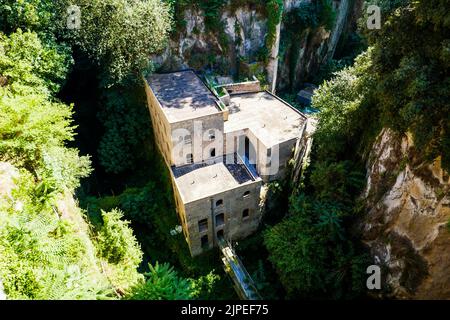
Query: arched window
[[219, 202], [245, 213], [246, 194], [212, 152]]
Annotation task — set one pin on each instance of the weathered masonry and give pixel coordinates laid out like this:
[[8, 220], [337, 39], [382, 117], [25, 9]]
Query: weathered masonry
[[220, 154]]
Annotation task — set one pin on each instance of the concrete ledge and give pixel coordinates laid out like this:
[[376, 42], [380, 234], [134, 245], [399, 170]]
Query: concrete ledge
[[242, 87]]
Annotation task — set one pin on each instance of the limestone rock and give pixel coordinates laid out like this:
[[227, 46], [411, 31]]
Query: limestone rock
[[405, 226]]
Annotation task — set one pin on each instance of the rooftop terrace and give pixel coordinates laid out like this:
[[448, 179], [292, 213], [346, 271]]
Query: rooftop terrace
[[200, 180], [271, 119], [183, 95]]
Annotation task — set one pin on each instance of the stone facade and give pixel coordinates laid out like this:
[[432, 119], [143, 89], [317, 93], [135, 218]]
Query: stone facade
[[231, 203]]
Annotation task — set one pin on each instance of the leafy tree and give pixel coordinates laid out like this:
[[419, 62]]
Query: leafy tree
[[413, 76], [311, 253], [117, 244], [127, 128], [203, 287], [28, 62], [116, 241], [34, 127], [162, 283], [337, 181], [121, 34], [38, 15]]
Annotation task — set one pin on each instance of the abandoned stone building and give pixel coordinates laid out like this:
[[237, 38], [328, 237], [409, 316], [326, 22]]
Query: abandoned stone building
[[220, 151]]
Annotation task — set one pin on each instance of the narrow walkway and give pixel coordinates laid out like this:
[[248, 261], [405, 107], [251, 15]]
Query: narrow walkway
[[243, 283]]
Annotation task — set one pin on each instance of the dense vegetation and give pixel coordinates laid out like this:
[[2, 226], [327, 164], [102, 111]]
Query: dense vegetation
[[66, 93], [398, 83], [49, 249]]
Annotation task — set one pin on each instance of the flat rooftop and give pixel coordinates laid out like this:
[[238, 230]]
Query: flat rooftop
[[201, 180], [269, 118], [183, 95]]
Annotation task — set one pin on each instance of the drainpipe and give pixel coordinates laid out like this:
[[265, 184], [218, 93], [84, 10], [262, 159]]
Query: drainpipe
[[213, 223]]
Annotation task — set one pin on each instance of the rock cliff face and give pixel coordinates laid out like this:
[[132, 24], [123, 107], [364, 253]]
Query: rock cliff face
[[243, 38], [406, 225]]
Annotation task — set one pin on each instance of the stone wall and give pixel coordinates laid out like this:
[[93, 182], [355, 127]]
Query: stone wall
[[235, 226], [160, 124], [242, 87]]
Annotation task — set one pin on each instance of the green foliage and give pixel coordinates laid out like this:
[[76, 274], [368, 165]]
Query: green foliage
[[126, 121], [119, 247], [344, 103], [414, 76], [311, 253], [203, 287], [26, 61], [212, 10], [45, 248], [274, 12], [311, 248], [116, 241], [121, 35], [44, 256], [337, 181], [310, 15], [162, 283], [38, 15], [34, 127]]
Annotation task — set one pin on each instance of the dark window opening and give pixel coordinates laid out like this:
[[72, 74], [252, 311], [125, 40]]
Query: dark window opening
[[245, 213], [219, 202], [212, 152], [189, 158], [212, 135], [220, 219], [204, 241], [203, 225], [246, 194], [220, 234]]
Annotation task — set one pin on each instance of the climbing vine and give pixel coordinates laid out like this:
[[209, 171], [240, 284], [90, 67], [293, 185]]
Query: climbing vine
[[298, 21], [274, 13]]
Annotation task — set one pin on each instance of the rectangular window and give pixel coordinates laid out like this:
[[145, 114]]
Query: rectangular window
[[220, 220], [204, 242], [203, 225]]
